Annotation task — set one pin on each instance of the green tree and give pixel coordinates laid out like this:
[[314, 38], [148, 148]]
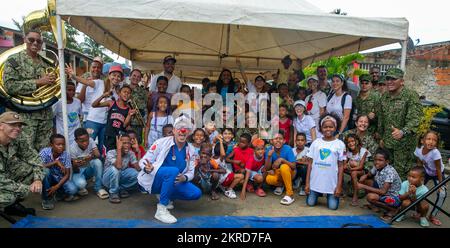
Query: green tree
[[94, 49], [339, 65]]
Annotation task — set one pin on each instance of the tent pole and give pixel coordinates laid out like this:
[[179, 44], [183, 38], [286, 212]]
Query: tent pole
[[403, 60], [62, 77]]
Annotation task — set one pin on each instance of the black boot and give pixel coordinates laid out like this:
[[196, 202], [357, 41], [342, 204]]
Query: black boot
[[18, 209]]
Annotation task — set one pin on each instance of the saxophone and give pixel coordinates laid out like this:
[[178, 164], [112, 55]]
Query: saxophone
[[44, 96]]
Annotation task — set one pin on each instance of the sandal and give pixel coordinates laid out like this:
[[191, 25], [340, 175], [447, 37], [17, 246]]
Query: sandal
[[354, 203], [387, 217], [83, 192], [124, 194], [250, 188], [434, 220], [278, 190], [214, 195], [260, 192], [287, 200], [102, 194], [424, 222]]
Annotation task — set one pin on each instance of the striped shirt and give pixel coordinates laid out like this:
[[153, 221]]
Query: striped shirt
[[47, 157]]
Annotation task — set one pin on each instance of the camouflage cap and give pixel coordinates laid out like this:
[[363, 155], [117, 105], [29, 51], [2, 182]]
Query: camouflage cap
[[395, 73], [11, 118], [365, 77]]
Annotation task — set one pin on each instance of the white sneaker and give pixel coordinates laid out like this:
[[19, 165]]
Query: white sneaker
[[278, 190], [163, 215], [230, 194], [169, 206]]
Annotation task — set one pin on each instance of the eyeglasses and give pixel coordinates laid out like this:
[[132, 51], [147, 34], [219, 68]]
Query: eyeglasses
[[32, 40]]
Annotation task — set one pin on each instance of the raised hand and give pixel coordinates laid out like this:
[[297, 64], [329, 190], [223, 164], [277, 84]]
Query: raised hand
[[118, 143]]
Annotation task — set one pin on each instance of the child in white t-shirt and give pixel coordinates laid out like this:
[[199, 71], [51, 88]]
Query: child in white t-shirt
[[300, 152], [325, 169], [74, 113], [357, 157], [430, 158]]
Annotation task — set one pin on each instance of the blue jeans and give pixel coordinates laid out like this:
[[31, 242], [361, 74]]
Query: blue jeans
[[51, 180], [164, 184], [117, 180], [332, 201], [98, 131], [94, 168]]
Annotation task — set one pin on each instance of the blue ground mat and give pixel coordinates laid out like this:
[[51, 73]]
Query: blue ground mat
[[209, 222]]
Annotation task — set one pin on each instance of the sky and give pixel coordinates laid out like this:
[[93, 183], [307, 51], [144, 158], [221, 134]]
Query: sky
[[428, 20]]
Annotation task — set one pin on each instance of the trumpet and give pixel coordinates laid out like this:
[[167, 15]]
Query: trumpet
[[138, 115]]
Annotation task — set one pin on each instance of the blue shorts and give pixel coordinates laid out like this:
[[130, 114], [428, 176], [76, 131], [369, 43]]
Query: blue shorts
[[391, 200], [254, 173]]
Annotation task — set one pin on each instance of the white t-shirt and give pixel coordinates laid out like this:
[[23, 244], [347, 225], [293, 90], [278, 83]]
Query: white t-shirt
[[73, 117], [318, 100], [98, 115], [357, 157], [304, 126], [428, 160], [77, 152], [89, 95], [324, 172], [174, 83], [302, 154], [334, 105]]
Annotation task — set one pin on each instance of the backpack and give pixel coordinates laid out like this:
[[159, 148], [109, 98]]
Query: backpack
[[351, 120]]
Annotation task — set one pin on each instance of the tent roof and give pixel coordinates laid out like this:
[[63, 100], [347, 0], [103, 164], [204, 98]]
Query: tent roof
[[207, 35]]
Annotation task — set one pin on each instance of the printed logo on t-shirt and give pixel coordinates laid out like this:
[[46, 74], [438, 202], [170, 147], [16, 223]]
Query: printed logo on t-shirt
[[324, 153], [72, 116]]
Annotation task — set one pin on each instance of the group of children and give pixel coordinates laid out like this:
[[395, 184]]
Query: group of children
[[315, 166]]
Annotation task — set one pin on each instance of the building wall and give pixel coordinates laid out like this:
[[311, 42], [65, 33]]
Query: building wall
[[432, 82]]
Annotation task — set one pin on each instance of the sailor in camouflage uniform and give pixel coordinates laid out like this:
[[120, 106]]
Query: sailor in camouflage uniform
[[24, 72], [140, 97], [21, 169], [399, 116], [367, 101]]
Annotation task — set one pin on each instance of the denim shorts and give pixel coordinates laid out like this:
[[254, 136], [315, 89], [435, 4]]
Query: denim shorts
[[391, 200]]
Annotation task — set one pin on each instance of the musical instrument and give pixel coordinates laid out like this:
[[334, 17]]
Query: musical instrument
[[138, 115], [46, 95]]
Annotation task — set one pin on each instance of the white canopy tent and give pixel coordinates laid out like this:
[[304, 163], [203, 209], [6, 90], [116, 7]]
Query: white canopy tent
[[207, 35]]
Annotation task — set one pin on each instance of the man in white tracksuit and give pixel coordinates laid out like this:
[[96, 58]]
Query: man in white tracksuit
[[167, 168]]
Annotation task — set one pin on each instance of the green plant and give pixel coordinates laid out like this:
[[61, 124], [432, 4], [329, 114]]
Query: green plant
[[427, 118], [335, 65]]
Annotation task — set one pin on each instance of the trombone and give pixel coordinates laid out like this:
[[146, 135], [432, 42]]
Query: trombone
[[138, 115]]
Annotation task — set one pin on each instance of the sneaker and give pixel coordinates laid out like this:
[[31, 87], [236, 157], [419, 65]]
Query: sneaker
[[71, 198], [83, 192], [230, 194], [302, 191], [296, 184], [48, 205], [424, 222], [278, 190], [114, 198], [163, 215]]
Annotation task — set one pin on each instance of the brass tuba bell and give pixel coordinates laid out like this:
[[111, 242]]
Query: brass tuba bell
[[46, 95]]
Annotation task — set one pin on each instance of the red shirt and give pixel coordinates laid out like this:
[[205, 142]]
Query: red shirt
[[286, 127], [241, 155], [253, 164], [141, 148]]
